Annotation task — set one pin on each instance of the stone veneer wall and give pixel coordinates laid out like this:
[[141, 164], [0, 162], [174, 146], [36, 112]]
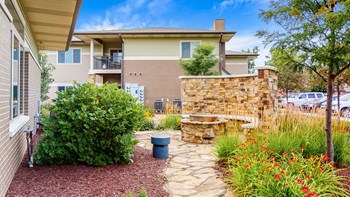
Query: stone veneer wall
[[253, 95]]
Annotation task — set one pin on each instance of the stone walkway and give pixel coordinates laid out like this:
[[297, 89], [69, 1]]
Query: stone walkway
[[190, 169]]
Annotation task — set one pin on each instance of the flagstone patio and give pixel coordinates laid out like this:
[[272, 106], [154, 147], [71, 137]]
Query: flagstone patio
[[190, 169]]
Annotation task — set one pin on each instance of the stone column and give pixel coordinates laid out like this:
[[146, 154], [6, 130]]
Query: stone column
[[91, 54], [268, 94]]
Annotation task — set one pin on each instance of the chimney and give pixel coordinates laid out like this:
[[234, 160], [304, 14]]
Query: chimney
[[219, 25]]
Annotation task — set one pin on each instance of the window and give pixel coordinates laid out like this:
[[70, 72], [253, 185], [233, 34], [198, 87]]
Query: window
[[72, 56], [311, 96], [187, 48], [319, 95], [17, 78], [61, 88], [302, 96]]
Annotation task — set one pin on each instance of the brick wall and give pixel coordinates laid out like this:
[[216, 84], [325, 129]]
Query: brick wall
[[251, 95], [13, 149]]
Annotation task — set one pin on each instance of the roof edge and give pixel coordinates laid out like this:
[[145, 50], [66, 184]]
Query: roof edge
[[158, 33], [74, 21]]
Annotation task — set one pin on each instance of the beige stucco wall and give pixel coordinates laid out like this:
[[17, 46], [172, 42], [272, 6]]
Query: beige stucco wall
[[160, 47], [236, 65], [65, 74], [13, 149], [111, 45]]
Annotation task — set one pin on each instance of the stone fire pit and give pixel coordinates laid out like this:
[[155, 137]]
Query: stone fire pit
[[201, 129]]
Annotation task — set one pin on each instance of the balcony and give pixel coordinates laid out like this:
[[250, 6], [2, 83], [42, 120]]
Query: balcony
[[107, 64]]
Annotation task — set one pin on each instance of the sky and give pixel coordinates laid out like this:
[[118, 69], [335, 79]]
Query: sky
[[241, 16]]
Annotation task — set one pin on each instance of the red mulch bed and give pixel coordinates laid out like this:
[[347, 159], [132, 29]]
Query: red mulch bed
[[345, 172], [81, 180]]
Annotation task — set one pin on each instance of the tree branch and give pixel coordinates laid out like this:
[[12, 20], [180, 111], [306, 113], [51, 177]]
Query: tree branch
[[342, 70], [317, 73]]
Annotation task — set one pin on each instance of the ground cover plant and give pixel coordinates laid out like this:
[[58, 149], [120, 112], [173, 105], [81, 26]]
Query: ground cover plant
[[92, 125], [286, 162], [170, 121]]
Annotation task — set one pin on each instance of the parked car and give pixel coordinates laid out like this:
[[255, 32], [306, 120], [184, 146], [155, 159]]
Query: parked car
[[301, 98], [344, 105], [313, 105]]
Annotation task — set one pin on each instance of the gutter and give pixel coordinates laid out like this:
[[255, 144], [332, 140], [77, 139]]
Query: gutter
[[220, 53]]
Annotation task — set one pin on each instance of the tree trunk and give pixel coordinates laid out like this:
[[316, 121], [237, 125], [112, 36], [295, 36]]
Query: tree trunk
[[329, 140], [338, 102]]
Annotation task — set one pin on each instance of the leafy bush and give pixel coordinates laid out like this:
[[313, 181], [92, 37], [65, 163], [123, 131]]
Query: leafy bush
[[172, 122], [92, 125], [257, 170]]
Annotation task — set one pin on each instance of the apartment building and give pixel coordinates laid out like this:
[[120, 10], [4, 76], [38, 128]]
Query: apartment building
[[143, 61]]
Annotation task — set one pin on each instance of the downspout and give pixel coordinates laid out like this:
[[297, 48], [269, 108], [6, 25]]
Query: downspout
[[220, 51], [122, 62]]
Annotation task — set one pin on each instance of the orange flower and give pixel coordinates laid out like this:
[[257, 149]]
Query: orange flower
[[307, 177], [246, 166], [291, 160], [282, 172], [273, 158], [308, 195], [272, 151], [305, 188], [301, 149], [264, 148], [269, 167], [314, 194], [265, 160], [299, 181], [277, 176], [325, 158], [332, 164], [321, 169], [285, 154]]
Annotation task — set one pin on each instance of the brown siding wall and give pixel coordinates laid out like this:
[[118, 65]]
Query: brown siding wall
[[160, 78]]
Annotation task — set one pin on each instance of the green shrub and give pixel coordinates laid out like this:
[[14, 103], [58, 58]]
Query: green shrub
[[256, 170], [92, 125], [225, 146], [147, 125], [172, 122]]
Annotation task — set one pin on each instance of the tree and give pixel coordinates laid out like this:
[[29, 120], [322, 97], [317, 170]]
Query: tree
[[251, 63], [201, 62], [288, 78], [46, 76], [319, 32]]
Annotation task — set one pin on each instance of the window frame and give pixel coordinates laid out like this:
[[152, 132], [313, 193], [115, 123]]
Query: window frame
[[312, 95], [20, 91], [71, 48], [191, 49]]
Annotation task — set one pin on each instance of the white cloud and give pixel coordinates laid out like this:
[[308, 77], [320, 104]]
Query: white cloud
[[249, 41], [129, 14], [227, 4]]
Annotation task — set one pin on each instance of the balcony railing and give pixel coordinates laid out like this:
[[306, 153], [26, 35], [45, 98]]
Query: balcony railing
[[107, 63]]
